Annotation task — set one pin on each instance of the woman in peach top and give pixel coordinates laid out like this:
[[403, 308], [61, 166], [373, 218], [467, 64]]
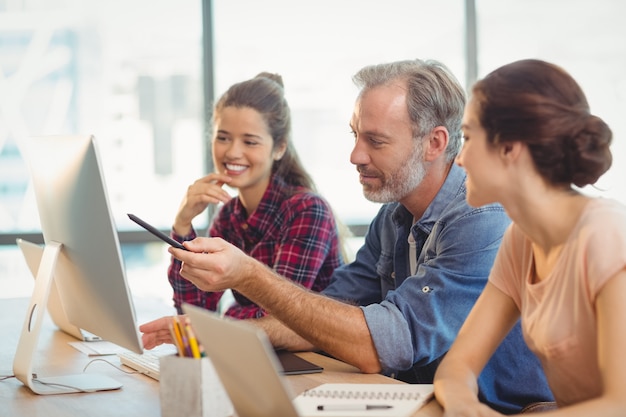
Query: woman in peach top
[[530, 140]]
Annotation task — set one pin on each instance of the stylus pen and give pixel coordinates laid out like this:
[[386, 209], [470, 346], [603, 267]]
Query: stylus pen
[[352, 407]]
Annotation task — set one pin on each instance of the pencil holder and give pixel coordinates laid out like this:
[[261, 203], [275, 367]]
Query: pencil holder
[[191, 387]]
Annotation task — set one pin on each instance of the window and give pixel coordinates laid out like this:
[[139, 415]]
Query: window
[[131, 73], [586, 41], [317, 47]]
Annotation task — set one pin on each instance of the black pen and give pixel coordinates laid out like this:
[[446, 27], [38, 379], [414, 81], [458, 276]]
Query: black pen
[[165, 238], [352, 407]]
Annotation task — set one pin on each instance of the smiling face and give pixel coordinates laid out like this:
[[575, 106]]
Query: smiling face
[[388, 158], [243, 149], [481, 161]]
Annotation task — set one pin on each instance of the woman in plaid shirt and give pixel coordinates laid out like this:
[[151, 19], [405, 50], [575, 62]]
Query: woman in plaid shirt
[[277, 216]]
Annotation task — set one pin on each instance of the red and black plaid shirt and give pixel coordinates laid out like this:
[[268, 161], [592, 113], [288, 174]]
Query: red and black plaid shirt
[[292, 231]]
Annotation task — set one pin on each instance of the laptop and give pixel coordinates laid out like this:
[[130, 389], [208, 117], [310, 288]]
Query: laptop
[[246, 363], [32, 254], [249, 370]]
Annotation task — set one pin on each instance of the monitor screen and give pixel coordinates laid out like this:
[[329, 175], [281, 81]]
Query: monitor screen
[[75, 217]]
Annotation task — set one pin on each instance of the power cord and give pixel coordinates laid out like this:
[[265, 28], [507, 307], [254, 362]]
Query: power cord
[[9, 376], [119, 368]]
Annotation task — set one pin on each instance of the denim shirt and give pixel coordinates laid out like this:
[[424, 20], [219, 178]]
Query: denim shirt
[[413, 319]]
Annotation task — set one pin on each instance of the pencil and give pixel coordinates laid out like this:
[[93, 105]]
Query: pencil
[[177, 336], [185, 340], [193, 342]]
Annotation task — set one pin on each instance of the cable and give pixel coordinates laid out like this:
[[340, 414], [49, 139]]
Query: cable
[[5, 377], [119, 368], [56, 384]]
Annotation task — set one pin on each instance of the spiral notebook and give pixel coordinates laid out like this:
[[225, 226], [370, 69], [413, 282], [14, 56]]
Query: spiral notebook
[[372, 400]]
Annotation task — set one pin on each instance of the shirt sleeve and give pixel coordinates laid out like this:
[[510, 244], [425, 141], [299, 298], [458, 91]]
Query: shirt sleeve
[[603, 241], [251, 311]]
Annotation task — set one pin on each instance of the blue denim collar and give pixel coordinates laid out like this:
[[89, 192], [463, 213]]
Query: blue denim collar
[[452, 187]]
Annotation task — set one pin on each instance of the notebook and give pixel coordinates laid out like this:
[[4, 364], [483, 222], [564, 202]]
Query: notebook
[[250, 372], [372, 400], [32, 254]]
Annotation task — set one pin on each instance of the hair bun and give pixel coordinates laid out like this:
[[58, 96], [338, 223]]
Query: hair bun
[[277, 78], [590, 151]]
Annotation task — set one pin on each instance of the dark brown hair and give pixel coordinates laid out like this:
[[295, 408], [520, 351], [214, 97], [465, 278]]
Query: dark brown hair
[[265, 94], [541, 105]]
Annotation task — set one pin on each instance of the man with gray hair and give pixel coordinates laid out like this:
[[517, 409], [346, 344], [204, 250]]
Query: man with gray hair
[[397, 308]]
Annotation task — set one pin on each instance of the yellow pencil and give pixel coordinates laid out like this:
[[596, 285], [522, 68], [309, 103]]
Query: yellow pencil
[[177, 336], [193, 342]]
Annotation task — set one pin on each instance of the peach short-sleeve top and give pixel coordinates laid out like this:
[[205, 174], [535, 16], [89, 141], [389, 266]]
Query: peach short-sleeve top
[[558, 313]]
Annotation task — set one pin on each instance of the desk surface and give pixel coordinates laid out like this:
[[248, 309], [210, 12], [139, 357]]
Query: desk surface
[[139, 395]]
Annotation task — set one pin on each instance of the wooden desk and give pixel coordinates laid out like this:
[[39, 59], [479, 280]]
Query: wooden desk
[[140, 394]]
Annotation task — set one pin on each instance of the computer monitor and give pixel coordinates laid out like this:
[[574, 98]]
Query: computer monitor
[[81, 256]]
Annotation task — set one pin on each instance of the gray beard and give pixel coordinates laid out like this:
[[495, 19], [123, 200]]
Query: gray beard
[[404, 180]]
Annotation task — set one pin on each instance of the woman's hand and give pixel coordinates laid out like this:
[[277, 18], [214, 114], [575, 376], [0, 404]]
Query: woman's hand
[[156, 332], [207, 190]]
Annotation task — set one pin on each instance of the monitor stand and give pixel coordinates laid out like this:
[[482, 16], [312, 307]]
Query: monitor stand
[[27, 345]]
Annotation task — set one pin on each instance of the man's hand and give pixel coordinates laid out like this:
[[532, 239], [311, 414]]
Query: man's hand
[[212, 264]]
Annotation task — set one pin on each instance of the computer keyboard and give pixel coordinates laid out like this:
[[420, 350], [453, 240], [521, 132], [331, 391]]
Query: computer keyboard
[[146, 363]]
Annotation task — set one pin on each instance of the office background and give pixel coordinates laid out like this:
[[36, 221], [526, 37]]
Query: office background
[[141, 75]]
